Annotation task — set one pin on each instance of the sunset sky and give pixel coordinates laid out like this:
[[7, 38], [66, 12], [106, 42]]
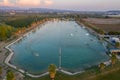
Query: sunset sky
[[65, 4]]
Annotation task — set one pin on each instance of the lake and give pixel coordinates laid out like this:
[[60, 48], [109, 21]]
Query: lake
[[63, 43]]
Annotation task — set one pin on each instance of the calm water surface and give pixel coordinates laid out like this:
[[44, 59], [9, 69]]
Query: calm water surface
[[79, 49]]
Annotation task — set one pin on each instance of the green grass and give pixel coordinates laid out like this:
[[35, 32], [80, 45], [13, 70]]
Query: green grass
[[110, 73], [60, 76], [110, 76]]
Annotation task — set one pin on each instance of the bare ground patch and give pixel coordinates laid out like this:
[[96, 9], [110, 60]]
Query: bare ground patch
[[105, 24]]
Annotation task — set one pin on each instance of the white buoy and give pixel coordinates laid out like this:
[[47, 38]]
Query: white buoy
[[36, 54], [87, 34], [71, 34]]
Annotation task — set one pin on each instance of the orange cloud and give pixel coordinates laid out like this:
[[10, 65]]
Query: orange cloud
[[27, 3], [6, 3], [48, 2]]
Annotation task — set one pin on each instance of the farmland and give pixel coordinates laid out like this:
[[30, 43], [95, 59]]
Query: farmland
[[106, 24]]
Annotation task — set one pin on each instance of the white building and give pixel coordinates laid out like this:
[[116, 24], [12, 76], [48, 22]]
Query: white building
[[115, 39]]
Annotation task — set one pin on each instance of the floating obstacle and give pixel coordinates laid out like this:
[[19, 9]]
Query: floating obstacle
[[36, 54], [87, 34], [71, 34]]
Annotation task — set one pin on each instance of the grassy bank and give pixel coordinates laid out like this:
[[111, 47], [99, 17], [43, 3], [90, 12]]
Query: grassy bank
[[109, 73]]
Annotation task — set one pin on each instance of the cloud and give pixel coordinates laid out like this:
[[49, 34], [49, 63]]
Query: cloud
[[6, 3], [28, 3], [48, 2]]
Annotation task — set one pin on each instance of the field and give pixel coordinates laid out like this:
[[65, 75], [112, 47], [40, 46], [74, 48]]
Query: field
[[108, 24]]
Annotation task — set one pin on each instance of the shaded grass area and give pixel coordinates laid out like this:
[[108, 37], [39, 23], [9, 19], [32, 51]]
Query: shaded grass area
[[110, 73]]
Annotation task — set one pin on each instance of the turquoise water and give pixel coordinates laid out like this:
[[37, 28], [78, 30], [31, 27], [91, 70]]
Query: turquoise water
[[79, 49]]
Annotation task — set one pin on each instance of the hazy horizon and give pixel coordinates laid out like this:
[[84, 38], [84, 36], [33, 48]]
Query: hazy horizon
[[84, 5]]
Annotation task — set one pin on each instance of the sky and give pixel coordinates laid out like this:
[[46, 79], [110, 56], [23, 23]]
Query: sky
[[65, 4]]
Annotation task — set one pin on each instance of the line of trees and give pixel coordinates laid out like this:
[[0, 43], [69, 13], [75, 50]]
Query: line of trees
[[23, 22], [114, 33], [12, 27]]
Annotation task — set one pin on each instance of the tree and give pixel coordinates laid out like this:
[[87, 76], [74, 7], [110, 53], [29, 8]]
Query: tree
[[52, 71], [100, 31], [117, 45], [10, 75], [102, 66], [2, 33], [6, 31], [0, 70], [113, 59]]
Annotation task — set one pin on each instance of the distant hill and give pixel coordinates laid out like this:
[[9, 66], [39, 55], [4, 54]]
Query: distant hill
[[113, 12], [47, 10], [9, 8], [32, 10]]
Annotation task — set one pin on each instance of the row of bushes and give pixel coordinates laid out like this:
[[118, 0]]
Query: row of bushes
[[113, 33]]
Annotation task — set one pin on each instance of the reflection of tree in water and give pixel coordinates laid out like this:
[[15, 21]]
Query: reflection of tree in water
[[34, 31], [37, 28]]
